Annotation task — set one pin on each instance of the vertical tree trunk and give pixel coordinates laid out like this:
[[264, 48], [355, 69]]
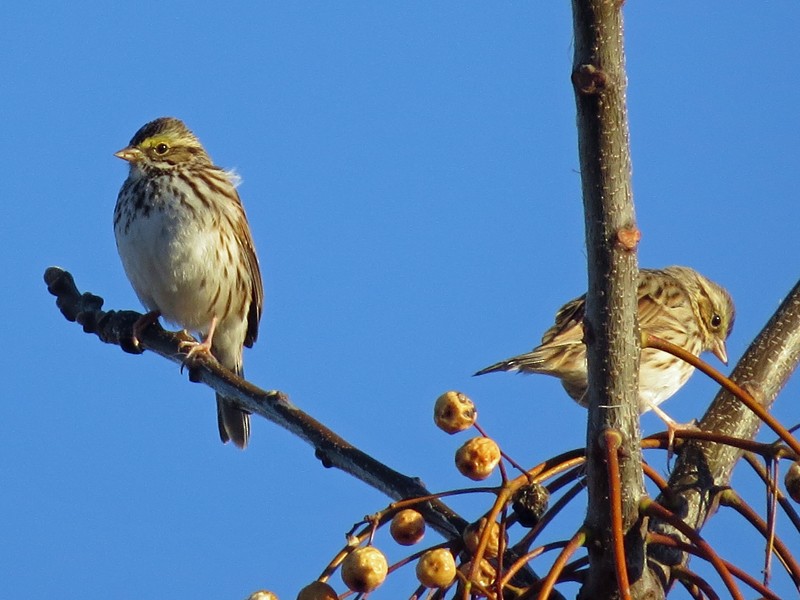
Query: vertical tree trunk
[[611, 322]]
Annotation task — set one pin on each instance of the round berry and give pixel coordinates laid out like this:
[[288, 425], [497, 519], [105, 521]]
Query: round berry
[[262, 595], [364, 569], [792, 482], [529, 503], [472, 537], [454, 412], [484, 577], [317, 591], [477, 458], [436, 568], [407, 527]]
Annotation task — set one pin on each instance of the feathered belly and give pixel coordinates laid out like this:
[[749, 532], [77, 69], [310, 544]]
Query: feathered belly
[[176, 268], [660, 376]]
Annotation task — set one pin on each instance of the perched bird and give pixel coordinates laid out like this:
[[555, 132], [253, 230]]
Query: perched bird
[[676, 304], [186, 246]]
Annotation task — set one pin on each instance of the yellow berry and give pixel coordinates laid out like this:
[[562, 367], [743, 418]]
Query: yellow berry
[[472, 537], [484, 577], [436, 568], [454, 412], [364, 569], [262, 595], [792, 482], [317, 591], [407, 527], [477, 458]]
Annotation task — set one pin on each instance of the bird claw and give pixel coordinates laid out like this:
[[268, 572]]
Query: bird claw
[[673, 427], [194, 349]]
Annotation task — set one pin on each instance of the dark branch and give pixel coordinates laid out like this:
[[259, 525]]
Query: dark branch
[[116, 327], [704, 468]]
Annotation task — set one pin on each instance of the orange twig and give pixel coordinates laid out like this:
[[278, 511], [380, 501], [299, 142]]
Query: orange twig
[[775, 545], [746, 578], [654, 509], [612, 442], [688, 577], [660, 440], [518, 564], [553, 574], [654, 476], [772, 509], [652, 341], [787, 507]]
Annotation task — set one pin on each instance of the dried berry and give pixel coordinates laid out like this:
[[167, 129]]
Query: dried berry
[[317, 591], [408, 527], [529, 503], [454, 412], [477, 458], [436, 568], [364, 569], [472, 537]]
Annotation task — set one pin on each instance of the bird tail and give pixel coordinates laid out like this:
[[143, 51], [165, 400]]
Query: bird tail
[[233, 422], [535, 361]]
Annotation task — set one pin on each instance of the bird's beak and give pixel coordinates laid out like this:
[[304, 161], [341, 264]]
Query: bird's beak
[[720, 352], [130, 153]]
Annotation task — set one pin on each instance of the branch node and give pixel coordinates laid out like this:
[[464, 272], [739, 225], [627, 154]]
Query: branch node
[[195, 375], [322, 456], [611, 440], [628, 238], [589, 80]]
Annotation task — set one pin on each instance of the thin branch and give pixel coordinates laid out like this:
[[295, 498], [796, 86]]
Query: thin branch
[[661, 539], [115, 327], [733, 500], [704, 467], [553, 575], [651, 341], [652, 508], [612, 446], [784, 502]]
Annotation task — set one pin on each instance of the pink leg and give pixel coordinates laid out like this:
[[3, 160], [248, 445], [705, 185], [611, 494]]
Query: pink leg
[[192, 349], [672, 427]]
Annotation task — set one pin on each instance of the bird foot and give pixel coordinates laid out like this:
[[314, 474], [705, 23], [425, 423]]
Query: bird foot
[[195, 349], [673, 427]]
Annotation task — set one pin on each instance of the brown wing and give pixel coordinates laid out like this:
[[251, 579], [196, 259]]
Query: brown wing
[[568, 327], [256, 294], [256, 285], [659, 295]]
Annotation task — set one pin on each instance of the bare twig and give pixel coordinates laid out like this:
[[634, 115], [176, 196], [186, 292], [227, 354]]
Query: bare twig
[[705, 466], [612, 445], [115, 327]]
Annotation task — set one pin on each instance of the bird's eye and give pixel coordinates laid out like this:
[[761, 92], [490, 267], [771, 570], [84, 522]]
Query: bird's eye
[[716, 321], [162, 149]]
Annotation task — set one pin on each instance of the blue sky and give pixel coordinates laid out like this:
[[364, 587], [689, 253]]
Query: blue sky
[[411, 178]]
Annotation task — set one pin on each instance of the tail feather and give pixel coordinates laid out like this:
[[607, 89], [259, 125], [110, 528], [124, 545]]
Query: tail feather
[[234, 423], [554, 359], [524, 363]]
